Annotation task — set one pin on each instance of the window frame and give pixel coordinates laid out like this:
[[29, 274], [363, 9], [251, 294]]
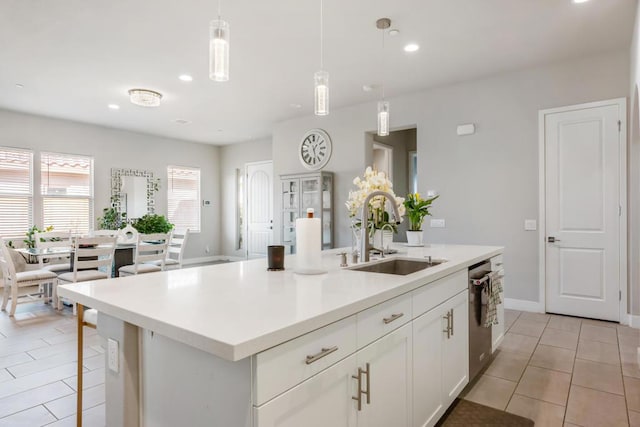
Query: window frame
[[198, 195], [30, 196]]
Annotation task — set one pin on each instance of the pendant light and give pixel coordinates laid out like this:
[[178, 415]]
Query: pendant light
[[383, 105], [321, 79], [219, 49]]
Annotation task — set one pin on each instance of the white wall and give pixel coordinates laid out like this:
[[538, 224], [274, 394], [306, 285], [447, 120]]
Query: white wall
[[489, 181], [123, 149], [232, 157]]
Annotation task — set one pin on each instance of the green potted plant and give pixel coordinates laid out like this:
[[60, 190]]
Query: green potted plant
[[417, 209], [111, 219], [152, 223]]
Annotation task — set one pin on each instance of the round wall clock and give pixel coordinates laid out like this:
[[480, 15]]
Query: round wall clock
[[315, 149]]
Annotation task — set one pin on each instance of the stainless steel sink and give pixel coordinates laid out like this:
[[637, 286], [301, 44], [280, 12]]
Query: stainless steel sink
[[398, 266]]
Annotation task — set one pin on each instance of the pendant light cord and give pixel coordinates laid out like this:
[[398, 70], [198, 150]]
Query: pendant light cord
[[383, 64], [321, 37], [219, 9]]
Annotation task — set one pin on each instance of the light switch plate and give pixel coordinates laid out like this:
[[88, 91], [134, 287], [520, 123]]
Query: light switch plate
[[437, 223], [112, 355], [530, 225]]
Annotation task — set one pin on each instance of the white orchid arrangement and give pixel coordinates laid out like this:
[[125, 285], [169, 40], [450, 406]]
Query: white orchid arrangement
[[378, 216]]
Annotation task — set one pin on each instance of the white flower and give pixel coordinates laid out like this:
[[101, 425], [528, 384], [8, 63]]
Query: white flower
[[372, 181]]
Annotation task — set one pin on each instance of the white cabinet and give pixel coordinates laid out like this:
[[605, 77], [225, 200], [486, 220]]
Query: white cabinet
[[385, 381], [300, 192], [440, 358], [323, 400]]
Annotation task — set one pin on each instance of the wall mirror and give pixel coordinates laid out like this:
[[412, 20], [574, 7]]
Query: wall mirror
[[132, 192]]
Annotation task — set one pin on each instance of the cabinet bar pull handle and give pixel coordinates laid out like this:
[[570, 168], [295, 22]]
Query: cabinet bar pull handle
[[393, 317], [358, 398], [448, 330], [368, 392], [452, 322], [498, 264], [323, 353]]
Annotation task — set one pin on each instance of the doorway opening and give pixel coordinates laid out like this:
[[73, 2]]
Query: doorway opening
[[396, 156]]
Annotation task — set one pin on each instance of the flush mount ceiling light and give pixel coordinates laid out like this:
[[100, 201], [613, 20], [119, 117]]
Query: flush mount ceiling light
[[411, 47], [185, 78], [145, 97], [321, 80], [113, 106], [219, 49], [383, 105]]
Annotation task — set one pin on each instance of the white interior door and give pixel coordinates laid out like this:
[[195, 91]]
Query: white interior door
[[583, 208], [259, 208]]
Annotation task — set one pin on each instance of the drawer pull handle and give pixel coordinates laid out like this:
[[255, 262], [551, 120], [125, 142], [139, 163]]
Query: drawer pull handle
[[323, 353], [498, 264], [448, 330], [393, 317], [358, 398]]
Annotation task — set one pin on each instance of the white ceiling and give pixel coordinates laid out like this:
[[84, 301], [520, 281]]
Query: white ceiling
[[74, 57]]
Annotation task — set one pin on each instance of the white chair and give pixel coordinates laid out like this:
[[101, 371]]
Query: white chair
[[175, 251], [105, 233], [52, 240], [13, 280], [149, 248], [90, 254]]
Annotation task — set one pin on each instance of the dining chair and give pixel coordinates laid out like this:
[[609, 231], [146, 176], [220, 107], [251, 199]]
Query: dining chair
[[149, 248], [105, 233], [90, 254], [175, 250], [14, 280], [51, 240]]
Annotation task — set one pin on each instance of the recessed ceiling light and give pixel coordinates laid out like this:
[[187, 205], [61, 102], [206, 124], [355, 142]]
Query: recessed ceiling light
[[411, 47], [185, 78], [19, 85], [182, 121], [394, 32], [113, 106], [145, 97], [580, 1]]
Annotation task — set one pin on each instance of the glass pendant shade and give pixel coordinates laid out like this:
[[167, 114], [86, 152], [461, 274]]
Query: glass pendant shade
[[219, 50], [321, 85], [383, 118]]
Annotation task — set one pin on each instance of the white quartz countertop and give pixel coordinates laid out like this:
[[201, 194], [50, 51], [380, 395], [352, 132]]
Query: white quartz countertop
[[238, 309]]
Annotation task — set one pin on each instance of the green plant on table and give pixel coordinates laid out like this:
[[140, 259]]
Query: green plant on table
[[152, 223], [111, 219], [417, 209], [30, 241]]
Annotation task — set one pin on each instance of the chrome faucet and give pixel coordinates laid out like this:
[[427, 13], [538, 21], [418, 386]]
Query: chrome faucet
[[364, 239]]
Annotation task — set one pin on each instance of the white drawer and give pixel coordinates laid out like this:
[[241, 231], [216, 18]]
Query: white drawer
[[286, 365], [496, 263], [432, 294], [383, 318]]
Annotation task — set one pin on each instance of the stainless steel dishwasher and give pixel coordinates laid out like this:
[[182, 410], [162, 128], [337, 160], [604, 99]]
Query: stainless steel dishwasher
[[479, 335]]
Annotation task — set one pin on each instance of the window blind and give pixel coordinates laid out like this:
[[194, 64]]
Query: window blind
[[183, 197], [67, 191], [16, 191]]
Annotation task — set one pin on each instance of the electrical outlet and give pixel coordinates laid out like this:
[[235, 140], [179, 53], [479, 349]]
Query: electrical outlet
[[437, 223], [206, 249], [112, 355]]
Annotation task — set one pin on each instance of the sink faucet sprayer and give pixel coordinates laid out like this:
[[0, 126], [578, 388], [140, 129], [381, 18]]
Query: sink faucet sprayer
[[364, 240]]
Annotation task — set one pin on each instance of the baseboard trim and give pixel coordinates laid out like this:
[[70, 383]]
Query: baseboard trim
[[190, 261], [523, 305], [634, 321]]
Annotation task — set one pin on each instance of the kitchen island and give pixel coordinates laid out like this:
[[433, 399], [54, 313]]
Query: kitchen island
[[234, 345]]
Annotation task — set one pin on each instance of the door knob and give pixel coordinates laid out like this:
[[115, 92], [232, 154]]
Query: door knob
[[552, 239]]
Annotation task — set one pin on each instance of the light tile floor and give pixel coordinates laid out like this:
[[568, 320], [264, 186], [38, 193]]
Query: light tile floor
[[564, 371], [555, 370], [38, 369]]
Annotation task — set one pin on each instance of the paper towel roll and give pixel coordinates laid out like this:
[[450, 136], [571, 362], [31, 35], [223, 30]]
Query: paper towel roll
[[308, 246]]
